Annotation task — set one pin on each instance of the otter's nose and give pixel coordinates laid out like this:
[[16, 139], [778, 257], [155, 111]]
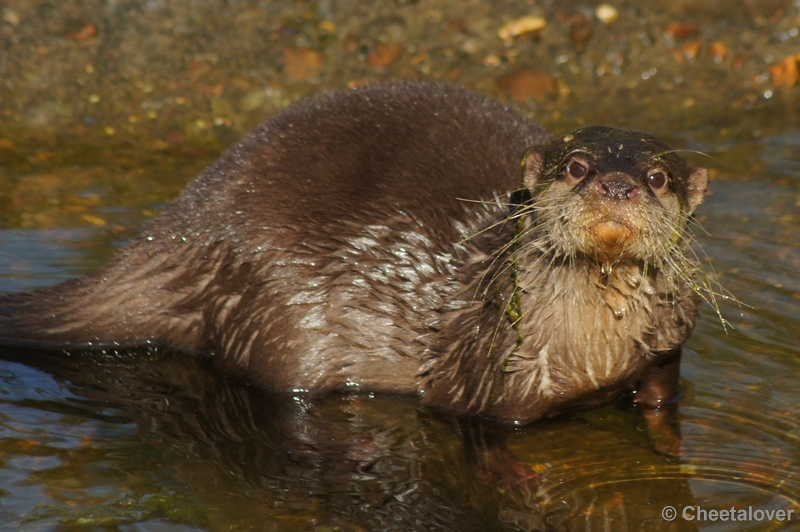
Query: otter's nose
[[617, 188]]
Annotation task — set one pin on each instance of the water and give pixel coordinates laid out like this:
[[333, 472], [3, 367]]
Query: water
[[155, 440]]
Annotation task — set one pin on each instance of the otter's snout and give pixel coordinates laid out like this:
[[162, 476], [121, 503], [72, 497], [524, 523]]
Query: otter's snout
[[617, 187]]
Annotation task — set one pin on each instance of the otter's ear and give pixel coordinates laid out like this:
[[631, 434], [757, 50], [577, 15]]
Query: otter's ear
[[532, 167], [696, 187]]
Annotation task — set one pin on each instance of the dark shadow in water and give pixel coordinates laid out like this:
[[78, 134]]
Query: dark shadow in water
[[349, 461]]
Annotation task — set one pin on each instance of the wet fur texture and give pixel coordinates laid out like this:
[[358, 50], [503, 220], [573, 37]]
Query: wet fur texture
[[366, 240]]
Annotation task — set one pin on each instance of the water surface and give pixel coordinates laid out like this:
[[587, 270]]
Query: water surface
[[155, 440]]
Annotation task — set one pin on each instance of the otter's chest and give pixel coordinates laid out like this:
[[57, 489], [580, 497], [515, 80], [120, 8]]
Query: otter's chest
[[582, 330]]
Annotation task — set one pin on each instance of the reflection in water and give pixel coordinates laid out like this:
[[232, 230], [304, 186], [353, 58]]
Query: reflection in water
[[159, 440], [32, 259], [232, 449]]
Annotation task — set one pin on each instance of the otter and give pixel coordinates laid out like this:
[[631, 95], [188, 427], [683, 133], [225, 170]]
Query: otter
[[410, 238]]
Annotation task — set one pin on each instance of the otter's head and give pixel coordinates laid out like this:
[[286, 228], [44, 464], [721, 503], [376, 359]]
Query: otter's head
[[610, 195]]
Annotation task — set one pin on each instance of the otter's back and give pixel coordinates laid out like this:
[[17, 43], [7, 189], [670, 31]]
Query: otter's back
[[315, 253], [422, 148]]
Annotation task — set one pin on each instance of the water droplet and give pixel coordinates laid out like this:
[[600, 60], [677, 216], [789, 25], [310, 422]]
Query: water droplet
[[620, 313]]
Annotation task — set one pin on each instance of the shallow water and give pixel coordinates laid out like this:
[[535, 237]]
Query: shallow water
[[158, 441]]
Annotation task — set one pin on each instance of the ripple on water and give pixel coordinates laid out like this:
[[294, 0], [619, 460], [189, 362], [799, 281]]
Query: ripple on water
[[33, 258]]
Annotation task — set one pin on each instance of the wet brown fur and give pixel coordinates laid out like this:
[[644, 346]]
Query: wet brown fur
[[365, 240]]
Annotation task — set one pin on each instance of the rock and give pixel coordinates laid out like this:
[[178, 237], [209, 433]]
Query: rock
[[679, 30], [88, 31], [529, 83], [718, 51], [606, 13], [302, 64], [384, 55], [521, 26], [786, 72], [579, 32]]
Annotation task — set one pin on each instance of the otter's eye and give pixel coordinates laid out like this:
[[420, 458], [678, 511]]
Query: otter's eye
[[657, 180], [577, 170]]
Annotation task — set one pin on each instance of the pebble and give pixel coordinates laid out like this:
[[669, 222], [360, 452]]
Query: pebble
[[606, 13], [692, 50], [327, 26], [302, 64], [93, 220], [529, 83], [384, 55], [11, 16], [679, 30], [88, 31], [579, 32], [492, 61], [521, 26], [786, 72], [718, 51]]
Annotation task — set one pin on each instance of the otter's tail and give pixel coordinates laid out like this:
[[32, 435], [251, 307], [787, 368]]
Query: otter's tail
[[142, 297]]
